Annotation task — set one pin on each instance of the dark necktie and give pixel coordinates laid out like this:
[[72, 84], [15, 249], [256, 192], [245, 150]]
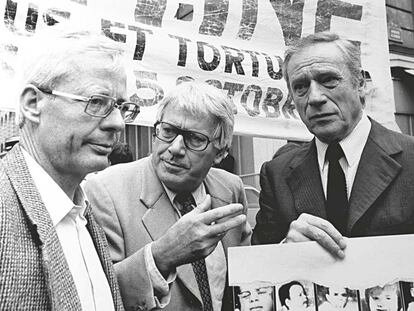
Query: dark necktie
[[337, 198], [187, 204]]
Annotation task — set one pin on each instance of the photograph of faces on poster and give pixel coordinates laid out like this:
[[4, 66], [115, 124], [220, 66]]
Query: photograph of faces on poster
[[258, 296], [382, 298], [307, 296], [408, 295], [295, 296], [336, 298]]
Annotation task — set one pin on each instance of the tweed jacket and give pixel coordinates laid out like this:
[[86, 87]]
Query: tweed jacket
[[382, 196], [34, 274], [135, 210]]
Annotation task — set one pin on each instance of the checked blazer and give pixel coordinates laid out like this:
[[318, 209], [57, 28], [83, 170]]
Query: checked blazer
[[34, 274]]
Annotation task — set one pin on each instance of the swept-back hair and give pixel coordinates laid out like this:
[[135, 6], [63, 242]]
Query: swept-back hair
[[202, 99], [52, 55], [350, 52]]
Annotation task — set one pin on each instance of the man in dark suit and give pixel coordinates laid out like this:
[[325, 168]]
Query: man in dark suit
[[355, 177], [53, 254], [167, 254]]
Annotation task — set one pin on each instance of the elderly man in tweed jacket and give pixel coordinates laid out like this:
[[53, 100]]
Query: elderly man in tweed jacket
[[53, 253]]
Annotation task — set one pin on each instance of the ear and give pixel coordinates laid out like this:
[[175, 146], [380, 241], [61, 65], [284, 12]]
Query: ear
[[287, 303], [362, 82], [221, 154], [29, 103]]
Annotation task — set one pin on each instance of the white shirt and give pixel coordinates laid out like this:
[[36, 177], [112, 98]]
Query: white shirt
[[215, 263], [352, 145], [80, 253]]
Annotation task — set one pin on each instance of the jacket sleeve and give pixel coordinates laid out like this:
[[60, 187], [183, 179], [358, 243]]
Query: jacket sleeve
[[246, 230], [271, 227]]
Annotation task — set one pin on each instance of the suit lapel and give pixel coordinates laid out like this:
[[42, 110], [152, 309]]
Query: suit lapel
[[305, 182], [101, 246], [376, 170], [62, 287], [221, 195], [160, 217]]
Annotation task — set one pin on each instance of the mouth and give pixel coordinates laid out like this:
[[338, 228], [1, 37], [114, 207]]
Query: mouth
[[173, 164], [321, 116], [101, 148], [256, 308]]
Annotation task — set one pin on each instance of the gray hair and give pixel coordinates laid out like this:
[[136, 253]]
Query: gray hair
[[201, 99], [50, 57], [350, 52]]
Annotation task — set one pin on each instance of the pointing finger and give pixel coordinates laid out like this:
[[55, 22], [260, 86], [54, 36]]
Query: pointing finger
[[217, 214]]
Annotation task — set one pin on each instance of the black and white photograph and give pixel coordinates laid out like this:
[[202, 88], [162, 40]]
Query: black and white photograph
[[258, 296], [336, 298], [383, 298], [296, 295], [207, 155]]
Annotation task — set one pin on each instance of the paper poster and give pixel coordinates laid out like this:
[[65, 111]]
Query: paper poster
[[377, 274]]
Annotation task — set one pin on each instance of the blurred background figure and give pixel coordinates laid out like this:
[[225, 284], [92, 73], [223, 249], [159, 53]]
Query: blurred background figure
[[120, 154], [227, 164]]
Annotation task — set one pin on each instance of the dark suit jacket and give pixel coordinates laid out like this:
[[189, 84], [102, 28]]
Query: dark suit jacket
[[382, 197], [135, 210], [34, 274]]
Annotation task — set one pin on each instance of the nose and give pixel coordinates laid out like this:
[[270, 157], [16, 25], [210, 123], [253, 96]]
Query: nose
[[113, 122], [316, 95], [177, 146], [254, 296]]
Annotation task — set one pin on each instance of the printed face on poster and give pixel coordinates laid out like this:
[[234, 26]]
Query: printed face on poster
[[376, 275], [236, 45]]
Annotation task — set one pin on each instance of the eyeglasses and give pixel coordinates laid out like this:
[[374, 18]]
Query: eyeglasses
[[192, 140], [101, 105]]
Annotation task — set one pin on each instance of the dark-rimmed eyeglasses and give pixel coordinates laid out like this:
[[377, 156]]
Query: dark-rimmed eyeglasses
[[101, 105], [167, 132]]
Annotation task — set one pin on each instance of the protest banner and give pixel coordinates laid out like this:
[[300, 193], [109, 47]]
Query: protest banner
[[237, 45]]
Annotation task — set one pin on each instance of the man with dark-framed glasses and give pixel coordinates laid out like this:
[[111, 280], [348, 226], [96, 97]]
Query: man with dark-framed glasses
[[170, 217], [72, 107]]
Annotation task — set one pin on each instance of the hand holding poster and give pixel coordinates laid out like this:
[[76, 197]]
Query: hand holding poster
[[236, 45], [376, 275]]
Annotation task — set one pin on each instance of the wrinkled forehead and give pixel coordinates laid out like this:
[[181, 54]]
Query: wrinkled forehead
[[184, 110], [95, 71], [323, 53], [388, 289], [254, 286], [95, 61]]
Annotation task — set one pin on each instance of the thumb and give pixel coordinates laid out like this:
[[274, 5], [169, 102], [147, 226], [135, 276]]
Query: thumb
[[203, 206]]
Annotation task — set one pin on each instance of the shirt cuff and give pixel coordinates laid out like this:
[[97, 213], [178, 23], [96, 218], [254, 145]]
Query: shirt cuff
[[160, 285]]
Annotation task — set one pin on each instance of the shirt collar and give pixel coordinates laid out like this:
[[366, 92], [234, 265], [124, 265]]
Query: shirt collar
[[57, 203], [199, 194], [352, 145]]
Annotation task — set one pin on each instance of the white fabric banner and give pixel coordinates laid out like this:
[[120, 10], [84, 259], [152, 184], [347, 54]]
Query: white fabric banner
[[236, 45]]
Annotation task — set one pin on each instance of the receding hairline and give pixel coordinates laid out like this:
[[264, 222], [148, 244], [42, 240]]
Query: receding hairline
[[349, 51]]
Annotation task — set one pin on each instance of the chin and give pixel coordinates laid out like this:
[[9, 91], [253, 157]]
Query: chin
[[97, 164]]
